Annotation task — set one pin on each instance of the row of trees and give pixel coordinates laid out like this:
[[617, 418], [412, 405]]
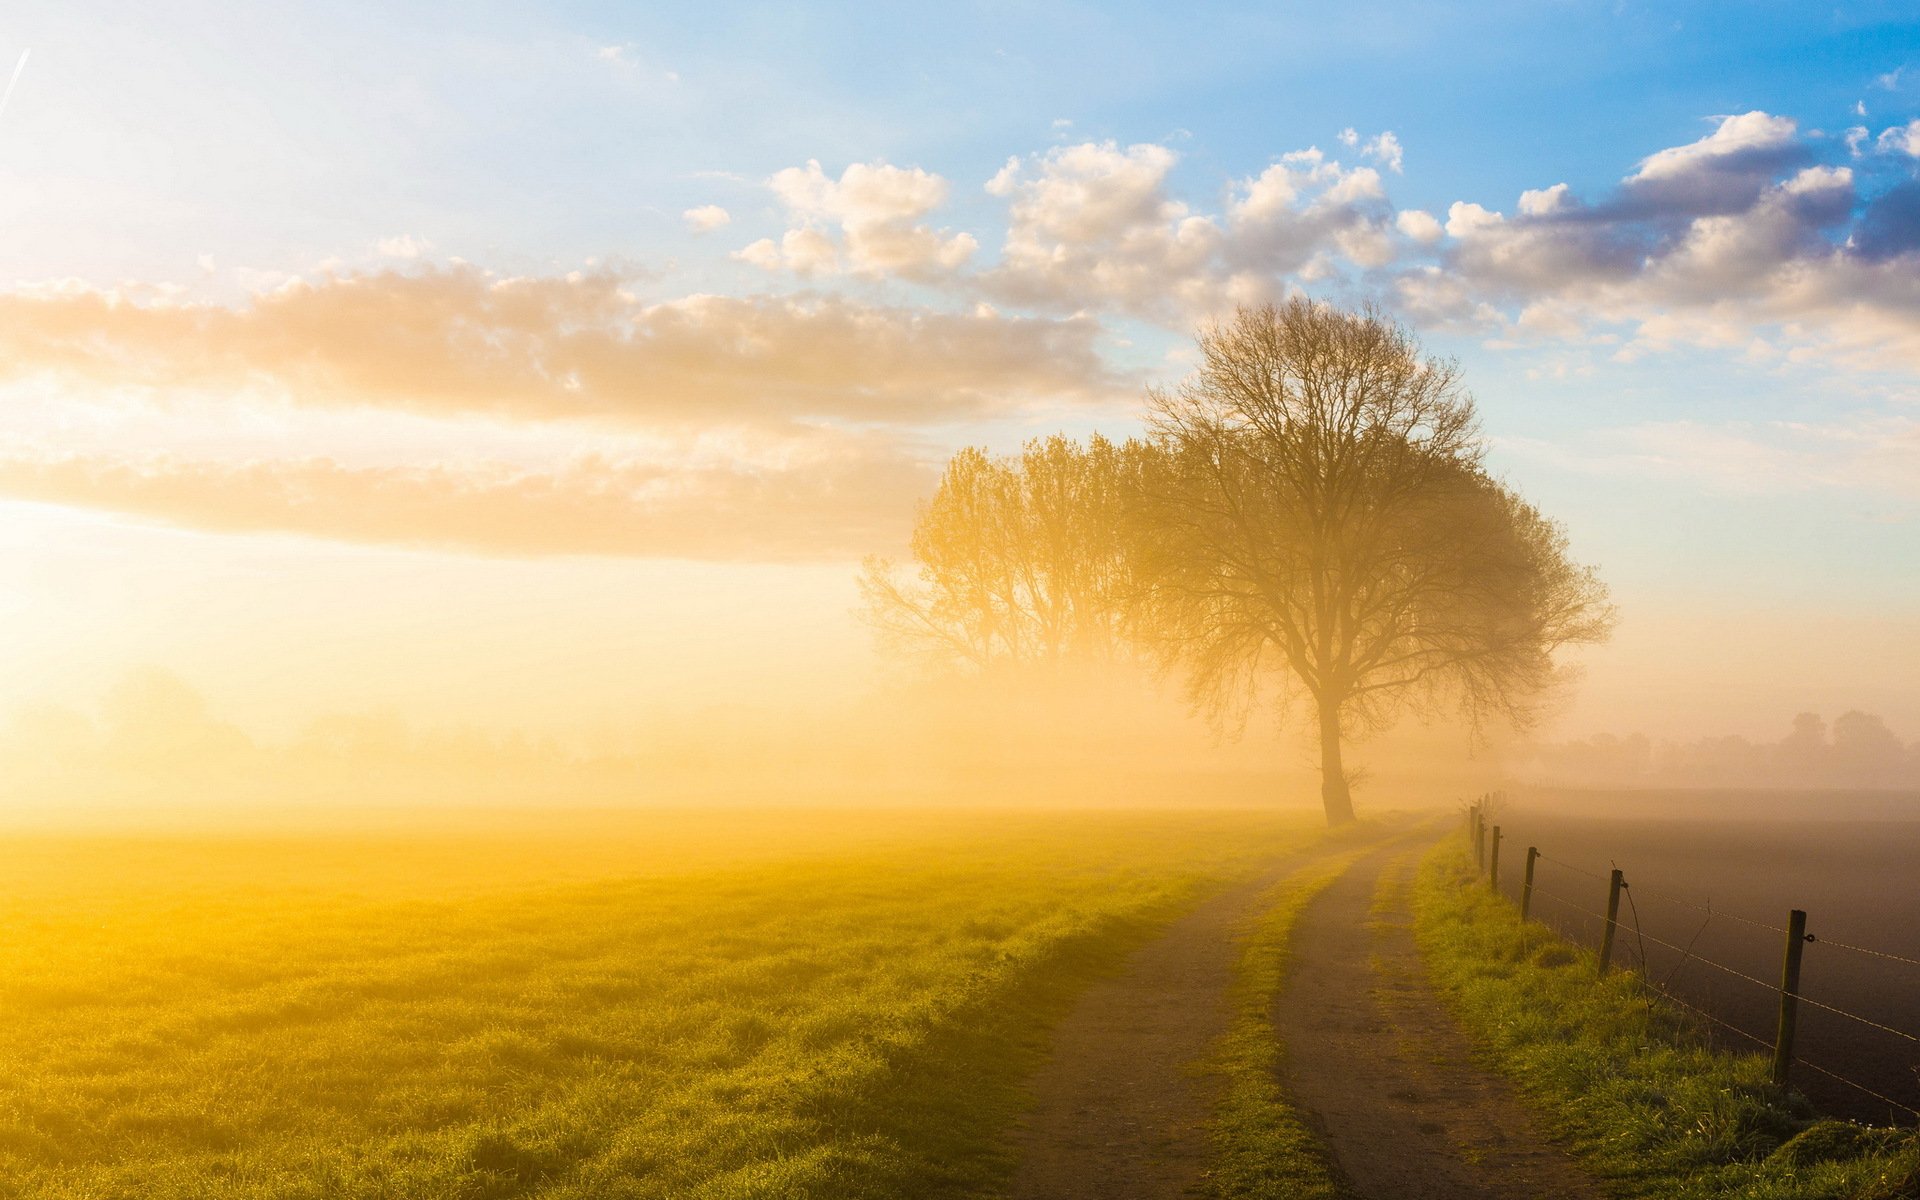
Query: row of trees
[[1307, 516]]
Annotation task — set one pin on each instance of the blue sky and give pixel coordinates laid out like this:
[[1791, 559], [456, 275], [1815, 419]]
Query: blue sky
[[1701, 354]]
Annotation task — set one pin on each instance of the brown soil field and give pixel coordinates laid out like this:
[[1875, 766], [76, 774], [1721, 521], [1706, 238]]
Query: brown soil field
[[1712, 881]]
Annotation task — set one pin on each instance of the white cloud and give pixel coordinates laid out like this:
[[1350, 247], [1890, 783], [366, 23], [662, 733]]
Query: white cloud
[[1094, 223], [1097, 225], [1542, 201], [1465, 219], [1903, 139], [1386, 150], [877, 209], [1419, 225], [803, 251], [1733, 136], [706, 218], [403, 246]]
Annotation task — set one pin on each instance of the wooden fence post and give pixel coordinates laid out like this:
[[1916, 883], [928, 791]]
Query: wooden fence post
[[1493, 862], [1614, 883], [1789, 996], [1480, 846], [1526, 885]]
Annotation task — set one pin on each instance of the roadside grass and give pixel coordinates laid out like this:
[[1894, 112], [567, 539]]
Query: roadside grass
[[1629, 1080], [1263, 1150], [839, 1013]]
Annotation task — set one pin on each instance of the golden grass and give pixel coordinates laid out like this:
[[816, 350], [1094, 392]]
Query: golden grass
[[718, 1005]]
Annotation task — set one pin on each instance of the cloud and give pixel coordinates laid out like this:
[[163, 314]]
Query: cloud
[[403, 246], [1732, 241], [1093, 223], [876, 209], [806, 252], [1464, 220], [1418, 225], [706, 218], [1902, 139], [1733, 139], [1386, 150], [455, 340], [836, 500], [1096, 226], [1862, 453]]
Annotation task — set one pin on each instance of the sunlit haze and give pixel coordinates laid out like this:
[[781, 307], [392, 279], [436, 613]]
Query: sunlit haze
[[550, 370]]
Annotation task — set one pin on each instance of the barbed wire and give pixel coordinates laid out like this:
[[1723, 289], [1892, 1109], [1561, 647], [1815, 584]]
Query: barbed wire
[[1687, 954], [1570, 866], [1711, 911], [1899, 958], [1907, 1108], [1765, 1044], [1722, 914], [1701, 958], [1701, 1012], [1777, 989], [1900, 1033], [1540, 891]]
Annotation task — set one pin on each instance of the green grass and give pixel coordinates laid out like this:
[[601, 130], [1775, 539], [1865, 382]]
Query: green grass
[[1262, 1148], [1630, 1082], [746, 1005]]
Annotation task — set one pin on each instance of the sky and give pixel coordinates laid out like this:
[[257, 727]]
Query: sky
[[554, 366]]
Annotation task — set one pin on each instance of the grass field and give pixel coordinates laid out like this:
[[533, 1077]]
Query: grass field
[[1634, 1084], [740, 1004]]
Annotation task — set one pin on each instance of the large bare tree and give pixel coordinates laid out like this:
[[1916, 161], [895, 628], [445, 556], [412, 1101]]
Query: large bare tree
[[1317, 516]]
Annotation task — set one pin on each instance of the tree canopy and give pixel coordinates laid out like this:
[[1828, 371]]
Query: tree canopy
[[1022, 559], [1309, 515]]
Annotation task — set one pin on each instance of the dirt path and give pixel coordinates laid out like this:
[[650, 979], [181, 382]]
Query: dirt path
[[1120, 1111], [1376, 1064]]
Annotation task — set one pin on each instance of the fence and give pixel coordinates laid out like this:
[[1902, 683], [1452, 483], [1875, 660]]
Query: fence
[[1485, 841]]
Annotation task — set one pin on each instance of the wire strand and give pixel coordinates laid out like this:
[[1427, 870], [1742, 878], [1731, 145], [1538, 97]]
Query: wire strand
[[1863, 1020], [1777, 989], [1708, 908], [1540, 891], [1687, 954], [1569, 866], [1698, 1011], [1899, 958], [1738, 974], [1907, 1108]]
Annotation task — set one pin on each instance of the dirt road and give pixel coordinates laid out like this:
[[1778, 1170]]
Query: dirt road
[[1120, 1110], [1378, 1067]]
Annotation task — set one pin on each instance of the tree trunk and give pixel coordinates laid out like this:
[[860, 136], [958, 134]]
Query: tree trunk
[[1333, 774]]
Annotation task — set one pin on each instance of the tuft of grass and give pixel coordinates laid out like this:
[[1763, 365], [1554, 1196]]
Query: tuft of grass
[[1263, 1150], [1632, 1083]]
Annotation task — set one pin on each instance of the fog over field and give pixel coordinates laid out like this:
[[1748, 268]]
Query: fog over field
[[853, 601]]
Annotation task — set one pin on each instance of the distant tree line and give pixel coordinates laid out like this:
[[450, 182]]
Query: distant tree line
[[1307, 517], [1858, 750]]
